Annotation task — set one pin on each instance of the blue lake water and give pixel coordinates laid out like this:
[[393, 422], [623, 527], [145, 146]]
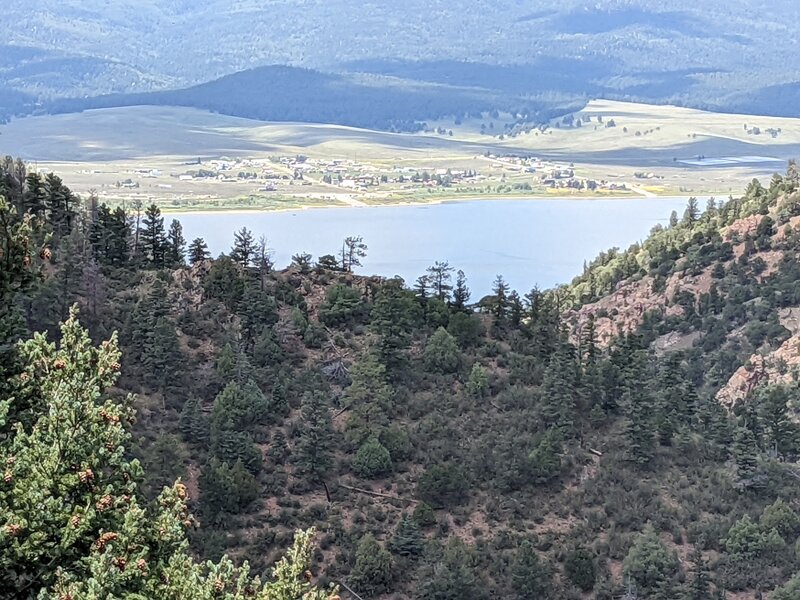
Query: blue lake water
[[540, 242]]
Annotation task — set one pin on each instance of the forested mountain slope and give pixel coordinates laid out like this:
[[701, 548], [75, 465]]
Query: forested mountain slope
[[718, 55], [590, 441]]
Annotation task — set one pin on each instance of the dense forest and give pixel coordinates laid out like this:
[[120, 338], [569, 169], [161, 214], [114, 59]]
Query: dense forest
[[631, 435], [279, 93]]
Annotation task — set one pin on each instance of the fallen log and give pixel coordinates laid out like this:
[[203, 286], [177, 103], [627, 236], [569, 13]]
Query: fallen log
[[379, 494]]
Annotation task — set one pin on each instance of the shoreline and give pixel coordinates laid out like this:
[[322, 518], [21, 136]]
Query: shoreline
[[432, 202]]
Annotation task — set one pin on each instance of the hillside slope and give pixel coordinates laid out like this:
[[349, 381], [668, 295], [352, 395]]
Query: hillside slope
[[447, 450]]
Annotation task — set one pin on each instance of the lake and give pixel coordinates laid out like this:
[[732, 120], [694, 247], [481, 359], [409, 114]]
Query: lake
[[540, 242]]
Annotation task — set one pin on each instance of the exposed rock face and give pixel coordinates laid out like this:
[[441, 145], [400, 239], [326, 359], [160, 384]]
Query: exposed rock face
[[776, 367], [623, 311], [742, 228], [674, 341]]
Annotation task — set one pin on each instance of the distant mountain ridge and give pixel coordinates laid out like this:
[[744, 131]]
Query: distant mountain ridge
[[720, 56], [281, 93]]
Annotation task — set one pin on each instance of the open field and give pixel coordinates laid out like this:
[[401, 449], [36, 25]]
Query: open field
[[188, 159]]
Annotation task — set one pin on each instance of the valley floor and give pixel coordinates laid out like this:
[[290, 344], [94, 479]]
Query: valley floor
[[189, 160]]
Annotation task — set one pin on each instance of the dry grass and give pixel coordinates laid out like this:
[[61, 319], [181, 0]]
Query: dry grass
[[96, 149]]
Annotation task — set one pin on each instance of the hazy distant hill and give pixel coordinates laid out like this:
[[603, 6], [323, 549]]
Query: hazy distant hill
[[279, 93], [713, 54]]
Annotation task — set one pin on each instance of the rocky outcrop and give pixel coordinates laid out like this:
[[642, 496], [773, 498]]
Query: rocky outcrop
[[779, 366]]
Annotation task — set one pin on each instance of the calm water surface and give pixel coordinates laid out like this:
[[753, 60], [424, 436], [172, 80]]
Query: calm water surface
[[529, 242]]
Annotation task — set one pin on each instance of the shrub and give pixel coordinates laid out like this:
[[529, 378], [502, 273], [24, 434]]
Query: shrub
[[372, 459]]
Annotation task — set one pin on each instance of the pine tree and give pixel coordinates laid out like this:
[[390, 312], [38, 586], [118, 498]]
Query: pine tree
[[478, 382], [313, 450], [71, 503], [700, 587], [639, 429], [257, 309], [353, 250], [226, 488], [673, 219], [559, 392], [175, 245], [451, 576], [20, 267], [244, 247], [500, 301], [372, 573], [393, 317], [34, 198], [422, 287], [239, 407], [72, 259], [531, 577], [328, 262], [370, 399], [152, 239], [461, 293], [372, 459], [407, 540], [651, 565], [163, 353], [745, 453], [152, 340], [783, 434], [61, 207], [692, 212], [544, 461], [580, 569], [198, 251], [109, 236], [439, 276], [194, 424]]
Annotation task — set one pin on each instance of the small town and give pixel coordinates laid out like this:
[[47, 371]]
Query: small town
[[314, 180]]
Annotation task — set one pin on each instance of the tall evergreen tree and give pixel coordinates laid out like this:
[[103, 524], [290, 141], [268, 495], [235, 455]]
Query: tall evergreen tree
[[500, 291], [370, 399], [152, 238], [372, 572], [109, 236], [407, 539], [461, 293], [194, 424], [61, 206], [34, 198], [531, 577], [393, 317], [639, 428], [439, 276], [353, 250], [745, 453], [198, 251], [700, 586], [175, 255], [244, 247], [314, 448]]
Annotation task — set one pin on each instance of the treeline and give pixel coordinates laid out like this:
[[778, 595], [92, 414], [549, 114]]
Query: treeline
[[445, 448], [278, 93]]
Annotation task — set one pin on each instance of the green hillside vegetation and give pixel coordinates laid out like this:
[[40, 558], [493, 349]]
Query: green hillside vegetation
[[537, 445]]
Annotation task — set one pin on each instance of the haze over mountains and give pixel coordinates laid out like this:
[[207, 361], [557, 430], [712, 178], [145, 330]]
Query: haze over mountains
[[414, 59]]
